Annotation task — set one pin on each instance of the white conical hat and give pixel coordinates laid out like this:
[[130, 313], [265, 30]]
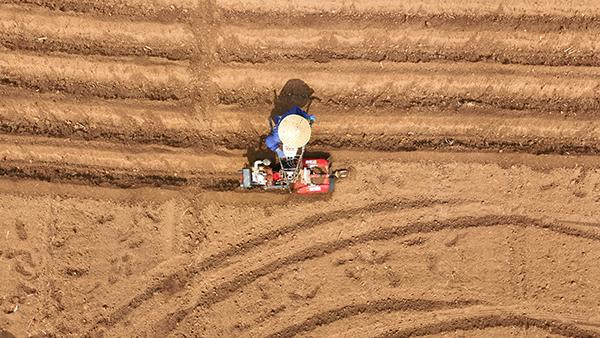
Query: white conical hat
[[294, 131]]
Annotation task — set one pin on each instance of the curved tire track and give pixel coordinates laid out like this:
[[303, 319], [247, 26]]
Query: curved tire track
[[228, 288], [489, 321], [220, 259], [370, 307]]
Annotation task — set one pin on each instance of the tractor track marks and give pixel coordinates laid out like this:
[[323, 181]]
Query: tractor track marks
[[489, 321], [46, 31], [100, 77], [226, 289], [370, 307], [220, 259]]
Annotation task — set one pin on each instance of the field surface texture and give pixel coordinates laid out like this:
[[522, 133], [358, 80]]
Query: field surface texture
[[470, 128]]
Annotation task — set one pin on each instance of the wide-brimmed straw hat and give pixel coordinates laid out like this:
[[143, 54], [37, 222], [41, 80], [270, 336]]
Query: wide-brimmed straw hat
[[294, 131]]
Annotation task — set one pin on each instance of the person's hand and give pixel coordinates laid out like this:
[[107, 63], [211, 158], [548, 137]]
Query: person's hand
[[280, 152]]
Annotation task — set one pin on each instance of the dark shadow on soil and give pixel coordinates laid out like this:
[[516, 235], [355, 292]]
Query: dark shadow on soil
[[259, 152], [295, 92]]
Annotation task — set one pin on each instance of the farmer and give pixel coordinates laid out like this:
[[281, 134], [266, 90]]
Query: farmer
[[294, 129]]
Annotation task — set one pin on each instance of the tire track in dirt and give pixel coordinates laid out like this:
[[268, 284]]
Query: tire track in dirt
[[158, 10], [359, 84], [410, 43], [100, 77], [489, 321], [224, 290], [370, 307], [220, 259], [46, 31]]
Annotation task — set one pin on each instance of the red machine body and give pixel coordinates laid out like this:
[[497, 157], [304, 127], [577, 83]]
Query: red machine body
[[314, 178], [306, 176]]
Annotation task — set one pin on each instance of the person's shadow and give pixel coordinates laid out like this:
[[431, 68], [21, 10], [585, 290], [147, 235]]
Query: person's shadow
[[295, 92]]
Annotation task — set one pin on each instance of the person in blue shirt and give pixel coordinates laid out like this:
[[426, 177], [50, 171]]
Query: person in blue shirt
[[272, 141]]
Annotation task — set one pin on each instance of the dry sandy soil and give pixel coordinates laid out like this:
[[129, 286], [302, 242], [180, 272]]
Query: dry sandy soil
[[470, 128]]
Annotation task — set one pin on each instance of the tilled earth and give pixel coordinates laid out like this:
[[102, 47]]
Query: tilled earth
[[470, 129]]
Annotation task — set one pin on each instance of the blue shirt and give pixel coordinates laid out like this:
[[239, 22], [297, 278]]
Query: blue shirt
[[272, 141]]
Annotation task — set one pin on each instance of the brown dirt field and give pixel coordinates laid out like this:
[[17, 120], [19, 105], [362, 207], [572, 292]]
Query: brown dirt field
[[470, 129]]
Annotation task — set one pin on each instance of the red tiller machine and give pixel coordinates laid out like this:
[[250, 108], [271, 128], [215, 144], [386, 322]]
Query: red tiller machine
[[292, 171]]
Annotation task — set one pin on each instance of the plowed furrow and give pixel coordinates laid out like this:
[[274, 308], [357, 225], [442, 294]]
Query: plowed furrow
[[549, 15], [449, 8], [459, 132], [553, 326], [226, 289], [121, 121], [159, 10], [238, 128], [65, 161], [408, 44], [43, 30], [401, 130], [367, 84], [349, 18], [101, 77]]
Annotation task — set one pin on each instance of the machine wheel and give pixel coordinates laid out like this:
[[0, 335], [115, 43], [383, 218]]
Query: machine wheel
[[331, 183], [341, 173]]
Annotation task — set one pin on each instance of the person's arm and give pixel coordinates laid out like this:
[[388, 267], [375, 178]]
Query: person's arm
[[272, 141]]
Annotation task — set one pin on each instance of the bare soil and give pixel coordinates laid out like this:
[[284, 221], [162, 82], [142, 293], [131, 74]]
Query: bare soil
[[470, 129]]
